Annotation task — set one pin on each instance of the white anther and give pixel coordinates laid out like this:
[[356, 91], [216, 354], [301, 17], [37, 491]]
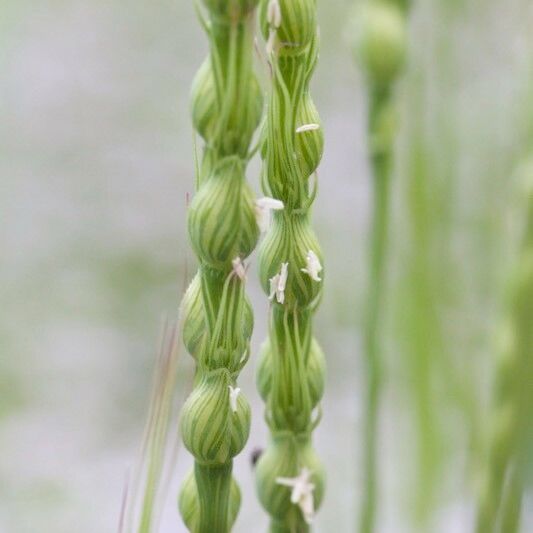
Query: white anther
[[263, 211], [238, 268], [278, 283], [301, 492], [313, 267], [233, 395], [307, 127], [274, 13]]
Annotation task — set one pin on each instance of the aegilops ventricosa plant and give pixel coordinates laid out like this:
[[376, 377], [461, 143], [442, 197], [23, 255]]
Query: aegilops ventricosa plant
[[290, 478], [223, 230]]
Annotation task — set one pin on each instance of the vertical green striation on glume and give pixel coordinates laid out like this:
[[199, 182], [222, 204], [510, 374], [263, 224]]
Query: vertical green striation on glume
[[291, 375], [512, 412], [223, 230], [380, 46]]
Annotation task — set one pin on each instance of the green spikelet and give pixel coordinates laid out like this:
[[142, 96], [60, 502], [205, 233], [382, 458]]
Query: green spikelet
[[315, 370], [297, 26], [287, 455], [193, 318], [212, 431], [222, 220], [308, 148], [291, 372], [243, 118], [226, 104], [290, 240], [189, 504]]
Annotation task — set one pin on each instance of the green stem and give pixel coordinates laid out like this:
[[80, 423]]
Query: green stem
[[214, 483], [380, 161]]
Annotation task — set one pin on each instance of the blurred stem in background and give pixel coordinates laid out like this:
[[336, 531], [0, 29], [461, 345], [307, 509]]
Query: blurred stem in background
[[500, 502], [381, 165], [450, 267], [426, 193], [509, 443], [380, 47], [146, 490], [419, 313]]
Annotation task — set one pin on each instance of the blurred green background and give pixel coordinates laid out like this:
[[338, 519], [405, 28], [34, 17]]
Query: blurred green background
[[96, 162]]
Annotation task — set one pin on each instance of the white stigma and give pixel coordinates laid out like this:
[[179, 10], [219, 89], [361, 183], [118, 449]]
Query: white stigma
[[233, 395], [278, 283], [238, 268], [263, 211], [313, 267], [301, 492], [307, 127]]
